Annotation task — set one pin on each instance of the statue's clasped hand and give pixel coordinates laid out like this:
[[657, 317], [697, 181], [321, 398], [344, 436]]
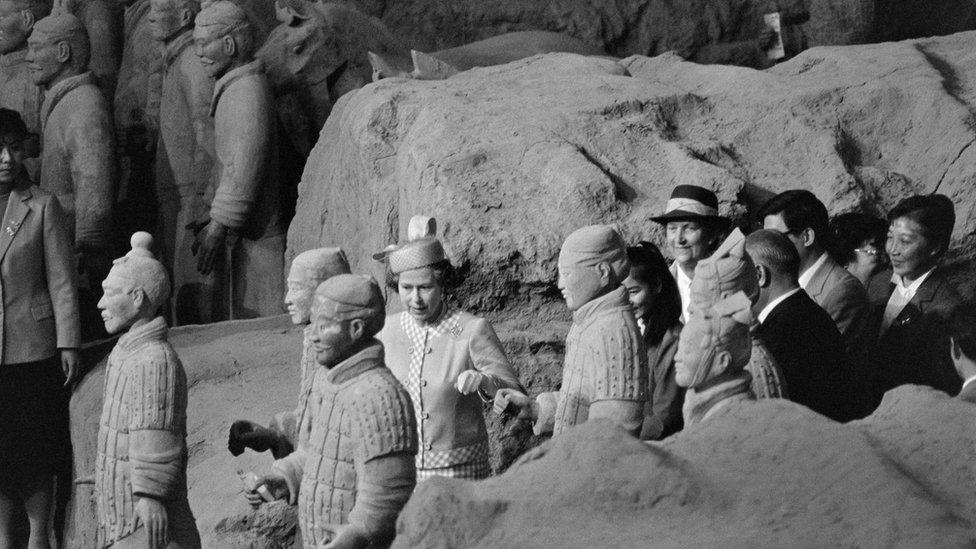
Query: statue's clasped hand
[[525, 408], [258, 490], [208, 245]]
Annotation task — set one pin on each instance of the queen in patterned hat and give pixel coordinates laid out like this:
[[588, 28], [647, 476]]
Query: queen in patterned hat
[[693, 230], [449, 361]]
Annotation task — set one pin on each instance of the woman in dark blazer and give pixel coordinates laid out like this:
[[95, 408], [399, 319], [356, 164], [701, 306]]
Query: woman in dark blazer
[[654, 296], [910, 326], [39, 340]]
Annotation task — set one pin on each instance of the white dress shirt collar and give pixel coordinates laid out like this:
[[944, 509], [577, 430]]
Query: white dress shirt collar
[[807, 275], [684, 289], [910, 290], [772, 305]]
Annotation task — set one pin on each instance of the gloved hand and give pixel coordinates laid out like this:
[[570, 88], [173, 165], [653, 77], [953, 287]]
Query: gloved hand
[[247, 434]]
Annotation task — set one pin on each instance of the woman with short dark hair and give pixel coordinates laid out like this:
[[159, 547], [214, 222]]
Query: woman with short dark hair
[[913, 346], [654, 297], [41, 336], [859, 241]]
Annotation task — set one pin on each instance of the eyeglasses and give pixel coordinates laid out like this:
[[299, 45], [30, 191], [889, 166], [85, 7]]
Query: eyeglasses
[[869, 251]]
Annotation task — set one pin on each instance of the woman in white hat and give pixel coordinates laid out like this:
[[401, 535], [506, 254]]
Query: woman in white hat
[[693, 230], [448, 360]]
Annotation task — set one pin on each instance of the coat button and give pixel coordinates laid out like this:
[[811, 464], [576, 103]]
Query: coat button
[[423, 382], [426, 415], [428, 446], [428, 350]]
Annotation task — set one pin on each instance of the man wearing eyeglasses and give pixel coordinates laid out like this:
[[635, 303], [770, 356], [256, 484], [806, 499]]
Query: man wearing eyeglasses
[[803, 219]]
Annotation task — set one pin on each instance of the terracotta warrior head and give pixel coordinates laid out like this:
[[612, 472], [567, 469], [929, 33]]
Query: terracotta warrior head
[[309, 269], [592, 263], [17, 19], [57, 49], [715, 343], [347, 312], [224, 38], [168, 18], [136, 287]]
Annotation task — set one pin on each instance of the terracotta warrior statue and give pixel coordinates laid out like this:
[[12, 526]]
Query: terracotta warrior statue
[[246, 198], [17, 89], [355, 471], [309, 269], [78, 160], [715, 347], [140, 472], [605, 371], [185, 154]]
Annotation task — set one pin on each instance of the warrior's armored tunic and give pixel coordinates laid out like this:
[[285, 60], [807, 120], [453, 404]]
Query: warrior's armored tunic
[[142, 437], [357, 466], [605, 370]]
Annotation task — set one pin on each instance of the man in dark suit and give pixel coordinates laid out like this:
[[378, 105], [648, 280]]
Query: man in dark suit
[[799, 334], [802, 217], [962, 338]]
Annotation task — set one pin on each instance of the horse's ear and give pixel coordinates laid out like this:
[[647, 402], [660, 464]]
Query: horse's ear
[[288, 13], [381, 67], [428, 67]]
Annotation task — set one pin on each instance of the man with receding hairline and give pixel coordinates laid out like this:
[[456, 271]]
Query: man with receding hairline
[[800, 336]]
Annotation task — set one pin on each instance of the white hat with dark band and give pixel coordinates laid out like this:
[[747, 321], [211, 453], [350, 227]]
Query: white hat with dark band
[[690, 202]]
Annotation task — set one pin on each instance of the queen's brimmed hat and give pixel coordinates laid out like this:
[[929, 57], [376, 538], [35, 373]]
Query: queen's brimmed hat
[[422, 248], [691, 202]]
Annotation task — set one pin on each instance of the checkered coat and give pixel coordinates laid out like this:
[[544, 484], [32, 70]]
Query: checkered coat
[[428, 359]]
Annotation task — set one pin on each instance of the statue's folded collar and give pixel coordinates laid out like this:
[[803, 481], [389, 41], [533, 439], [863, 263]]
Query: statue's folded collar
[[176, 46], [154, 330], [367, 359], [254, 67], [63, 88], [615, 299]]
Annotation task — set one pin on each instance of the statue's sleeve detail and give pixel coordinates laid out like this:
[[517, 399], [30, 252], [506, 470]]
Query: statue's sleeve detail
[[157, 421], [243, 149], [621, 369], [91, 149]]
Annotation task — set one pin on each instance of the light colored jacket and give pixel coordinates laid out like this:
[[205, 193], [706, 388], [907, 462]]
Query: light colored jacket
[[451, 425], [37, 279], [844, 298], [78, 164]]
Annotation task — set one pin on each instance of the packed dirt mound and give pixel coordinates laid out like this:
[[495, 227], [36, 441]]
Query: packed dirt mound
[[511, 159], [767, 473]]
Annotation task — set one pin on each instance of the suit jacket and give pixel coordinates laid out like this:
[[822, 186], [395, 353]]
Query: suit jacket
[[804, 341], [39, 296], [843, 297], [915, 348]]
